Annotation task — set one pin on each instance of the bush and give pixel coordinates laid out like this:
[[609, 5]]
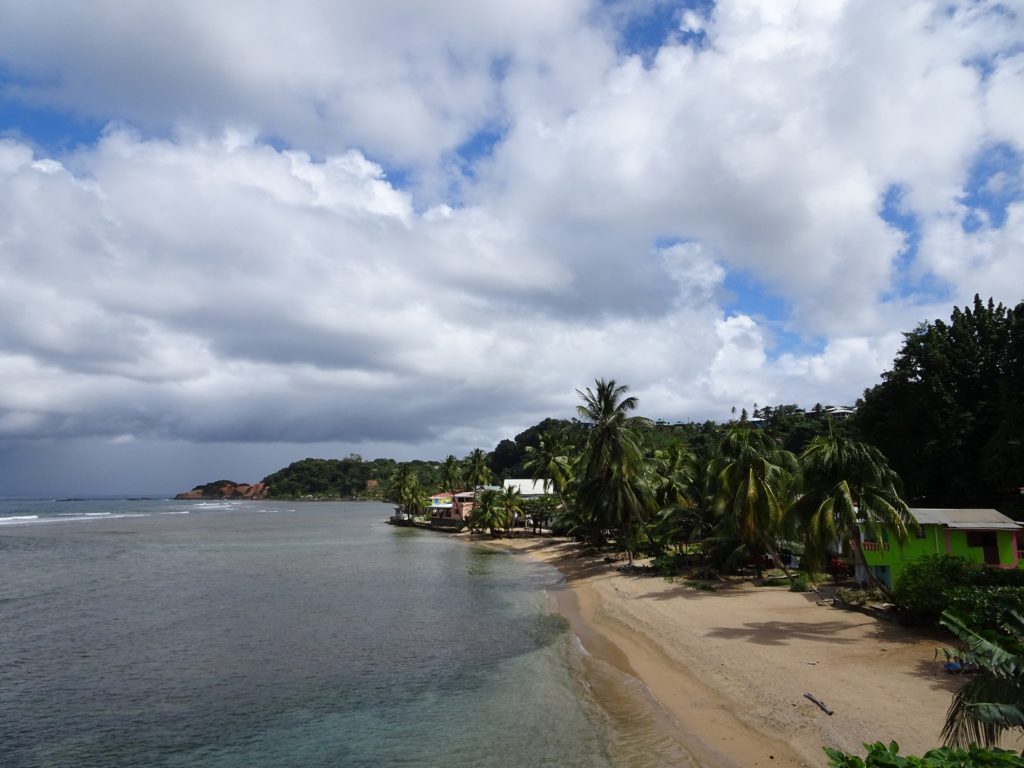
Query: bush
[[800, 584], [669, 564], [1001, 577], [985, 607], [880, 756], [922, 589], [860, 596], [839, 569]]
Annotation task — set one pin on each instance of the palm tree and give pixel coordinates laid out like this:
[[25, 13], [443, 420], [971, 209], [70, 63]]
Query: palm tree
[[753, 479], [612, 489], [550, 462], [404, 490], [991, 702], [848, 486], [451, 474], [511, 502], [487, 512], [477, 472], [685, 509]]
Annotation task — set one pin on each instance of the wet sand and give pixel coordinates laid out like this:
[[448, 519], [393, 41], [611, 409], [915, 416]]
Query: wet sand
[[730, 667]]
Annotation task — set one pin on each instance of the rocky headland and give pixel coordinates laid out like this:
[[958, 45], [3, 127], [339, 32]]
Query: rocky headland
[[226, 489]]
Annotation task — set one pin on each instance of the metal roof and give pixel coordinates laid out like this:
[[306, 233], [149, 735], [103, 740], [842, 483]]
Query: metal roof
[[965, 519], [528, 487]]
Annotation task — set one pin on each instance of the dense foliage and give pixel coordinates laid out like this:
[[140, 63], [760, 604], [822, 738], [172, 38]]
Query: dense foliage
[[922, 589], [881, 756], [949, 415], [346, 478], [932, 584]]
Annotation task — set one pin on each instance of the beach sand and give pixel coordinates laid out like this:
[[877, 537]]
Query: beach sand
[[731, 667]]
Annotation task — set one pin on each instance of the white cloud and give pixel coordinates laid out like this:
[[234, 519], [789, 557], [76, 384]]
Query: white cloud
[[185, 279]]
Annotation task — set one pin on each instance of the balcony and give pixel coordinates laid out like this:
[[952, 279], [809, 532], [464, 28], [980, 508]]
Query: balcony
[[874, 546]]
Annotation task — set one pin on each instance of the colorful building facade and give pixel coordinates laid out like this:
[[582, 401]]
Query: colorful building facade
[[982, 536]]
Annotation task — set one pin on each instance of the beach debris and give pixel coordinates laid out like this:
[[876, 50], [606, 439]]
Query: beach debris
[[820, 703]]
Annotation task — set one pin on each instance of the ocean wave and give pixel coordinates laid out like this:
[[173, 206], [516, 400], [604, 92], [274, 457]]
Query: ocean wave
[[17, 519]]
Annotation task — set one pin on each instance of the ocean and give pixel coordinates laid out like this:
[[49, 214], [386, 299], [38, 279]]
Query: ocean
[[229, 634]]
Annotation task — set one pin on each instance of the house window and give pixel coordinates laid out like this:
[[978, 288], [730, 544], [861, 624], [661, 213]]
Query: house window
[[921, 532]]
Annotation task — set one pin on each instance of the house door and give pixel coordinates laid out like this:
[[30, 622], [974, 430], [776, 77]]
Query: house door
[[991, 546]]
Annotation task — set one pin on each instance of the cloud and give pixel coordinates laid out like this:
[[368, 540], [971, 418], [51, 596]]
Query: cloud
[[286, 236]]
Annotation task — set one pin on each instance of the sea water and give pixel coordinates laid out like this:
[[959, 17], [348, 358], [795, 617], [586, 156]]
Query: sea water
[[229, 634]]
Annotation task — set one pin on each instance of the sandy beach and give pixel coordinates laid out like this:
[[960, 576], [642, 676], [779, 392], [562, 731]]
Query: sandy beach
[[730, 667]]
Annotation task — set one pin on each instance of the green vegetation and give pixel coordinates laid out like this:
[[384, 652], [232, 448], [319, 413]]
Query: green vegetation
[[991, 702], [880, 756], [754, 491], [949, 415], [937, 583]]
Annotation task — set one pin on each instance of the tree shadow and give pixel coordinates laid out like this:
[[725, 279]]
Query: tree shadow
[[784, 632], [938, 678]]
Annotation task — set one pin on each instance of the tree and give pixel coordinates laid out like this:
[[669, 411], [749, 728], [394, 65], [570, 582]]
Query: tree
[[550, 461], [612, 489], [487, 513], [847, 484], [935, 414], [991, 701], [511, 502], [753, 479], [451, 474], [477, 473], [685, 505], [404, 489]]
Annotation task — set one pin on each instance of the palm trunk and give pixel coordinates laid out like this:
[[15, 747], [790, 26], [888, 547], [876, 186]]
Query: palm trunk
[[789, 574]]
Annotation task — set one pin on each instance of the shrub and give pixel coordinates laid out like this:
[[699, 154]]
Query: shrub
[[800, 584], [839, 569], [1001, 577], [669, 564], [859, 596], [880, 756], [922, 589], [985, 607]]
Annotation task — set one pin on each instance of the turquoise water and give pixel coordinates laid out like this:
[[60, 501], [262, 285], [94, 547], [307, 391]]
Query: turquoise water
[[163, 633]]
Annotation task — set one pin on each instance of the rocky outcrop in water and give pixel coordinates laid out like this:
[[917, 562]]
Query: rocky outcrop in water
[[226, 489]]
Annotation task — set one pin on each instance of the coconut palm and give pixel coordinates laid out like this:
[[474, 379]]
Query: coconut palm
[[550, 461], [404, 490], [511, 502], [451, 474], [476, 472], [686, 514], [848, 486], [487, 512], [753, 479], [991, 702], [612, 489]]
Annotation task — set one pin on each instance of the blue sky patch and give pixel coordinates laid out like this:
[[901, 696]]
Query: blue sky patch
[[748, 296], [53, 131], [643, 33], [993, 183]]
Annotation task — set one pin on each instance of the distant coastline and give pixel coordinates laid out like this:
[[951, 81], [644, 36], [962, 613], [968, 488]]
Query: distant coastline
[[225, 489]]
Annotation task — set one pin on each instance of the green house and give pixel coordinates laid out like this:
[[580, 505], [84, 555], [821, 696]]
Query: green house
[[979, 535]]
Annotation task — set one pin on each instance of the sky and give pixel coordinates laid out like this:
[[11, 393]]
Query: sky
[[236, 234]]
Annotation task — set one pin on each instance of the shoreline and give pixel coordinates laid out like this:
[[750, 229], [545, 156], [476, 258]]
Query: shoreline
[[729, 668]]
